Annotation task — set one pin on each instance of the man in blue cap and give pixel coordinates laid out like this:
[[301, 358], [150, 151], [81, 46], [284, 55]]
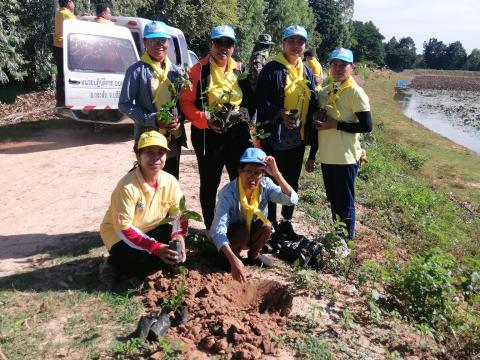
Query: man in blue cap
[[240, 220], [347, 115], [148, 86]]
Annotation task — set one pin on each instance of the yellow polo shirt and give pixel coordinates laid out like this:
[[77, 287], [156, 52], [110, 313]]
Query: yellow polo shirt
[[61, 15], [102, 20], [134, 203], [336, 146]]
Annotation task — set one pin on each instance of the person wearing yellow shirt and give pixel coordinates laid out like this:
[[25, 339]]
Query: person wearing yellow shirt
[[217, 85], [131, 230], [347, 115], [312, 62], [286, 101], [64, 12], [104, 14]]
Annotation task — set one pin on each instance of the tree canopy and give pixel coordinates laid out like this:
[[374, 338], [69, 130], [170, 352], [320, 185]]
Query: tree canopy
[[400, 55], [367, 43]]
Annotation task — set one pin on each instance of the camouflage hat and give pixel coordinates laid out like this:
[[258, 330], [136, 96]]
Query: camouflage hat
[[264, 39]]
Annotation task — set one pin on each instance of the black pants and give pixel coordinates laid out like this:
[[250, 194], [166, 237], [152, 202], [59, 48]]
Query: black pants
[[214, 151], [60, 82], [289, 163], [339, 183], [139, 263], [172, 165]]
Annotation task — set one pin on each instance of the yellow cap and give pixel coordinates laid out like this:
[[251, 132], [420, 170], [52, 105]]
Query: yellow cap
[[152, 138]]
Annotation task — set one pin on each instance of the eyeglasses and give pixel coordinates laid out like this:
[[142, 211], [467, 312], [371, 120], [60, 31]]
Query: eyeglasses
[[228, 43], [253, 173], [157, 41], [295, 41]]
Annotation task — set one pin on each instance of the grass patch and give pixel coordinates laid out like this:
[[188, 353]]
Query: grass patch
[[71, 324]]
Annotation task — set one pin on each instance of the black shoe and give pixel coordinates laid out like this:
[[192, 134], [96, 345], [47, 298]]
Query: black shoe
[[261, 261], [285, 228]]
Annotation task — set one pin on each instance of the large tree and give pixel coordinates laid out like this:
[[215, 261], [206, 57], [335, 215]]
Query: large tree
[[473, 60], [281, 13], [434, 53], [456, 56], [368, 44], [251, 24], [330, 25], [10, 41], [400, 55]]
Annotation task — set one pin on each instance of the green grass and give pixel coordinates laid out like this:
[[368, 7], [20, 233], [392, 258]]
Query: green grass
[[419, 189], [76, 324]]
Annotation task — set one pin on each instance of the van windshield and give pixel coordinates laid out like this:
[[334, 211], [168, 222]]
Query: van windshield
[[94, 53]]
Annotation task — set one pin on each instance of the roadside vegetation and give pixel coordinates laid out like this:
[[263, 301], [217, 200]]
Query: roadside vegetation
[[420, 195]]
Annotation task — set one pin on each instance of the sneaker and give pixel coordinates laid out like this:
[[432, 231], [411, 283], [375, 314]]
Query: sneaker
[[342, 250], [261, 261]]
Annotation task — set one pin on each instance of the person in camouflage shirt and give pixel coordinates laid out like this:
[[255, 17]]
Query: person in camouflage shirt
[[258, 59]]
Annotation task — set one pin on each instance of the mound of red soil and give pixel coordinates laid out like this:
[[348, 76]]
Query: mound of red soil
[[226, 317]]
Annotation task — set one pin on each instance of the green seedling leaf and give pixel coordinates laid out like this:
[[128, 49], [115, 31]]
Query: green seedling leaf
[[192, 215]]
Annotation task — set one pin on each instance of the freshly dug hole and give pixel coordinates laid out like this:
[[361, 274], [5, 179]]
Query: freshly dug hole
[[226, 317]]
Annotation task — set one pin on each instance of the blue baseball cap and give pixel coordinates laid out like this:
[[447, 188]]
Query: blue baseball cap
[[156, 29], [253, 156], [341, 54], [293, 30], [222, 31]]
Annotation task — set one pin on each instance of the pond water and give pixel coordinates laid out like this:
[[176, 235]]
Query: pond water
[[451, 113]]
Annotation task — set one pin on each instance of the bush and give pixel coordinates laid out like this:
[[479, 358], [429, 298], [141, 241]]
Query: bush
[[425, 287]]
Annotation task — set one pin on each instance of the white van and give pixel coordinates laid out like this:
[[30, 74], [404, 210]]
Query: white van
[[95, 59]]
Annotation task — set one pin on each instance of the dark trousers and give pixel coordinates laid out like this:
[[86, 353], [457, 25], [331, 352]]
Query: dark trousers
[[60, 82], [289, 163], [214, 151], [139, 263], [339, 183], [172, 165]]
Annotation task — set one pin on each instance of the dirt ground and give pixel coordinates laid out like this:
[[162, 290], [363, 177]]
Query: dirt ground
[[55, 189]]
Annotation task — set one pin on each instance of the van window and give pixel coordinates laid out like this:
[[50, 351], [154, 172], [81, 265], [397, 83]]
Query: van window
[[93, 53], [174, 53], [138, 41]]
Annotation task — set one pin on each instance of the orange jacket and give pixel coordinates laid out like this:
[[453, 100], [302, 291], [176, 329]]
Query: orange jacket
[[189, 98]]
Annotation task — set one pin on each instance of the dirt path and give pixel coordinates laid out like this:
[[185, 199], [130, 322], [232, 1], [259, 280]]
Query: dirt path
[[56, 187]]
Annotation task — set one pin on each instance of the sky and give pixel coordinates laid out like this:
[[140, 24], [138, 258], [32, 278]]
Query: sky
[[446, 20]]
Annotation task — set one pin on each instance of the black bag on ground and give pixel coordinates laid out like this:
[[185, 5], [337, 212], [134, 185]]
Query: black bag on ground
[[289, 246]]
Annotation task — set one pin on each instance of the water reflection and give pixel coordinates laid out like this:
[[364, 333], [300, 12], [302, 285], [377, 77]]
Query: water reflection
[[453, 114]]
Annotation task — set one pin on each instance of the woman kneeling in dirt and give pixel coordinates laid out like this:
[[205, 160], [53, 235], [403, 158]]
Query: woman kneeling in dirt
[[240, 220], [131, 229]]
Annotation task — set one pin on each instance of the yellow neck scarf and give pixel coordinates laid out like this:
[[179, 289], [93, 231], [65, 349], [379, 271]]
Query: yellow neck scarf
[[334, 94], [250, 208], [223, 87], [297, 92], [160, 83]]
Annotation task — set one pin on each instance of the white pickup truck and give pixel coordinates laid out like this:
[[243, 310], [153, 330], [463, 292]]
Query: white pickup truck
[[95, 59]]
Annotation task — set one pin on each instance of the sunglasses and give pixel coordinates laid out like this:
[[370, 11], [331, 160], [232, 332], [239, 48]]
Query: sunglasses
[[228, 43], [157, 41], [295, 41]]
